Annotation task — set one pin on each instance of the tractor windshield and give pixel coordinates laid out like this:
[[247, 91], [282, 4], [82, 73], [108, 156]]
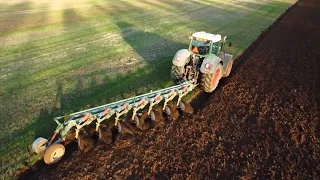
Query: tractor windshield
[[216, 47], [200, 47]]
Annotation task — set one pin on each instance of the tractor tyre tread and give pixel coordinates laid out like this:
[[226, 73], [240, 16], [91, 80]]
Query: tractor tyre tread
[[206, 81], [177, 73]]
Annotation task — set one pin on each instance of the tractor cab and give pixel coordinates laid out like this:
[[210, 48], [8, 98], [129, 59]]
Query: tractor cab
[[205, 61], [205, 44]]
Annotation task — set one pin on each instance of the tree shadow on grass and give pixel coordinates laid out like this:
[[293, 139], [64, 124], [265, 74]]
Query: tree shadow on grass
[[151, 47]]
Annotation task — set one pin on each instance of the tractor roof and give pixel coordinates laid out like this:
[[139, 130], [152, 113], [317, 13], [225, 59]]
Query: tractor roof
[[207, 36]]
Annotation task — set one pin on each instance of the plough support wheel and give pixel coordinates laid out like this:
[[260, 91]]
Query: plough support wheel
[[54, 153], [39, 145]]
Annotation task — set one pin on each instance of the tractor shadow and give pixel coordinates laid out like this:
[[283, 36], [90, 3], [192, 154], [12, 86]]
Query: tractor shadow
[[149, 46]]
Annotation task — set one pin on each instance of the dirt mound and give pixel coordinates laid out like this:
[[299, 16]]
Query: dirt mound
[[262, 122]]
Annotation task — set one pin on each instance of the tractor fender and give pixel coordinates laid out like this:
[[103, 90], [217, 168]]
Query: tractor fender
[[227, 62], [209, 64], [181, 58]]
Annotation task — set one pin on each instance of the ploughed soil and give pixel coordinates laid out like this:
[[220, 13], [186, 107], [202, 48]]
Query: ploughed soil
[[262, 121]]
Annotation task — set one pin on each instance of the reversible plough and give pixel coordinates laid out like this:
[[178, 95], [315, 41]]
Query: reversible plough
[[204, 61]]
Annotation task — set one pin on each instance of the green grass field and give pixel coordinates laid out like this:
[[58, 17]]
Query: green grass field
[[57, 57]]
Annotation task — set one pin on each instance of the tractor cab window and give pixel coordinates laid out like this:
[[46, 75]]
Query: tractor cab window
[[200, 47], [216, 47]]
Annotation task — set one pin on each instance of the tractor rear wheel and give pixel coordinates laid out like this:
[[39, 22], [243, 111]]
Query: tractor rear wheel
[[177, 73], [209, 82]]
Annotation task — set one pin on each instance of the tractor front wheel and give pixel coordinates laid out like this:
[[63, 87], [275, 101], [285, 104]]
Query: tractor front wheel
[[177, 73], [209, 82]]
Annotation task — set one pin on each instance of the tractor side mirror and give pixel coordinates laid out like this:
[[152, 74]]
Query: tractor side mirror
[[229, 44]]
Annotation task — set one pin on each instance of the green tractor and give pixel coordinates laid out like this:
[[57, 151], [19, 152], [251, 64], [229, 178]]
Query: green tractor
[[205, 61]]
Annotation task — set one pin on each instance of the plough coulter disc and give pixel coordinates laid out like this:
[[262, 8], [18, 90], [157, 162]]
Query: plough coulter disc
[[100, 133], [168, 110], [39, 145], [186, 107], [152, 116], [141, 125], [119, 127], [79, 142], [136, 121], [182, 106], [54, 153]]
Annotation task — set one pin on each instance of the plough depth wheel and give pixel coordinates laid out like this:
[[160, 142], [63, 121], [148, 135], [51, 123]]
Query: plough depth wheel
[[54, 153], [39, 145]]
